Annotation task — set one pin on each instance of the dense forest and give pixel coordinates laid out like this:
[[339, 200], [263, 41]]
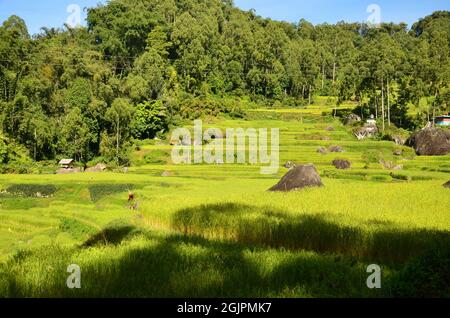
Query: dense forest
[[141, 66]]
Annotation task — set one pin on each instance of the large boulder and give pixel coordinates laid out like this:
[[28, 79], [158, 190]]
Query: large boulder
[[289, 165], [398, 152], [351, 119], [97, 168], [366, 131], [430, 142], [298, 178], [335, 149], [166, 174]]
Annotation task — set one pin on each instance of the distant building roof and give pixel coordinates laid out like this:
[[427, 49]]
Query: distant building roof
[[443, 116], [66, 161]]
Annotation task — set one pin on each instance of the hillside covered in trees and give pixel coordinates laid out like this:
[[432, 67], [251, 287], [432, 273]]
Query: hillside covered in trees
[[141, 66]]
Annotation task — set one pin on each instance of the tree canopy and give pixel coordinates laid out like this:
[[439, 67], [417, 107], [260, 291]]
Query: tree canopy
[[84, 92]]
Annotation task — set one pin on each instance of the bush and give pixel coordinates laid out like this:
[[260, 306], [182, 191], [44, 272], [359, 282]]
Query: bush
[[372, 156], [150, 119], [427, 276], [395, 134], [13, 158], [194, 108]]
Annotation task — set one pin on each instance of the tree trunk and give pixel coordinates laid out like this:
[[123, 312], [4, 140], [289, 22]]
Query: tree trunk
[[376, 105], [309, 95], [117, 139], [388, 105], [35, 144], [382, 103], [434, 106], [334, 72], [361, 103], [434, 116], [323, 75]]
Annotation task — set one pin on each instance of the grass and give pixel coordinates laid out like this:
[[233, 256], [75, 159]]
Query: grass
[[215, 231]]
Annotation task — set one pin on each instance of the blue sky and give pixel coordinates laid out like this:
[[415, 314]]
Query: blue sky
[[332, 11], [53, 13]]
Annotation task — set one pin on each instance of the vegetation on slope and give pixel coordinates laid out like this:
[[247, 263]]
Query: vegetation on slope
[[142, 66]]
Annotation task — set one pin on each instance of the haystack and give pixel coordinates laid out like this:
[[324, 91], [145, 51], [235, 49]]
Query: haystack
[[298, 178]]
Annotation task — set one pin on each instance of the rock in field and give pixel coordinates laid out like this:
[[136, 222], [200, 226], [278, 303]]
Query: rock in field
[[351, 119], [97, 168], [166, 174], [289, 165], [447, 185], [366, 131], [335, 149], [298, 178], [430, 142], [322, 150], [342, 164]]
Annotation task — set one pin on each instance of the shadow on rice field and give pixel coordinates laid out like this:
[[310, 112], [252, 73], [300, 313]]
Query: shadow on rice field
[[152, 264], [273, 228], [179, 266]]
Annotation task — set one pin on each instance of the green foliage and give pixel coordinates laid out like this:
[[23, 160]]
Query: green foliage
[[76, 136], [149, 120], [393, 133], [199, 107], [13, 158], [74, 92]]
